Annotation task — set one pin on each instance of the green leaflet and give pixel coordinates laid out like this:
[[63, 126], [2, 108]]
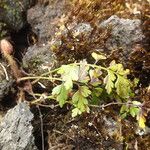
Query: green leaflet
[[84, 90], [69, 74], [96, 93], [122, 86], [76, 112], [94, 76], [56, 90], [98, 56], [127, 109], [117, 78], [134, 111], [109, 81], [61, 94], [124, 111], [79, 99]]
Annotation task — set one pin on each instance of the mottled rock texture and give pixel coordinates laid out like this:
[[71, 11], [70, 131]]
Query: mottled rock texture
[[43, 18], [16, 129], [38, 58], [124, 34], [6, 80], [13, 14]]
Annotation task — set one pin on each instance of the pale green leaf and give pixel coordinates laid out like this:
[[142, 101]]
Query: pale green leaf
[[136, 103], [68, 84], [56, 90], [69, 73], [84, 90], [94, 76], [98, 56], [134, 111], [122, 86], [123, 109], [79, 101], [62, 96], [136, 81], [82, 103], [76, 97], [76, 112], [118, 68], [109, 81]]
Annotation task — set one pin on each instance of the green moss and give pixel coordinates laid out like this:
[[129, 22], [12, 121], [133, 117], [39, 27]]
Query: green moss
[[3, 31], [13, 13]]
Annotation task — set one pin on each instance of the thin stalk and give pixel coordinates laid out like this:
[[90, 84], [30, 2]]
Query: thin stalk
[[46, 73], [41, 99], [39, 77], [115, 103]]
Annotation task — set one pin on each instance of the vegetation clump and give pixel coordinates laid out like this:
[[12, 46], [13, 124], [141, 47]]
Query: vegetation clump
[[83, 85]]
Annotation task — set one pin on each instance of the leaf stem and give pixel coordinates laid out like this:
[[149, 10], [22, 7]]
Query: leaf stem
[[39, 77], [114, 103]]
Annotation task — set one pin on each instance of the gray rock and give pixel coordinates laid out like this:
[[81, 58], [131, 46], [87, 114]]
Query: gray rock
[[124, 34], [16, 129], [6, 80], [38, 58], [82, 28], [13, 13], [42, 18], [77, 31]]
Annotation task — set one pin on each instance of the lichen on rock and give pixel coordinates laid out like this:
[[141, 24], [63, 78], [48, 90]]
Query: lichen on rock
[[16, 129], [13, 13], [6, 81]]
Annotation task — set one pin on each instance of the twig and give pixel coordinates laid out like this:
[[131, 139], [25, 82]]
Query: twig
[[42, 98], [42, 132], [44, 74], [114, 103], [39, 77], [6, 74], [56, 131], [48, 106]]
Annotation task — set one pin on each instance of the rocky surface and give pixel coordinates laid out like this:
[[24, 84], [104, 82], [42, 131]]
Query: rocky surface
[[43, 18], [16, 129], [13, 14], [6, 80], [124, 34], [38, 59]]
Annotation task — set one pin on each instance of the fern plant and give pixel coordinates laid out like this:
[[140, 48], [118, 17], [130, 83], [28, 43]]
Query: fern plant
[[82, 84]]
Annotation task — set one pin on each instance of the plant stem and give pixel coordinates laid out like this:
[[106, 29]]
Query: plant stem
[[46, 73], [39, 77], [114, 103]]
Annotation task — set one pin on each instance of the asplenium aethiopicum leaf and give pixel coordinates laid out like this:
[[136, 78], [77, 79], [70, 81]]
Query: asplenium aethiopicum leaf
[[76, 112], [84, 90], [109, 81], [98, 56], [122, 86], [119, 69], [61, 94], [79, 98], [94, 76], [83, 72], [69, 73]]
